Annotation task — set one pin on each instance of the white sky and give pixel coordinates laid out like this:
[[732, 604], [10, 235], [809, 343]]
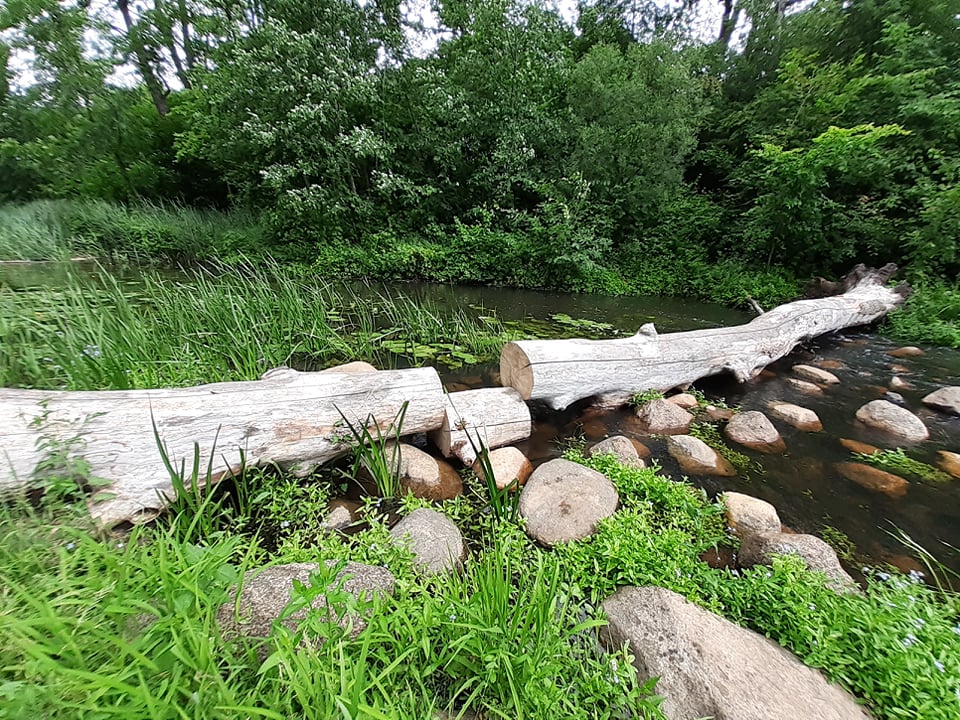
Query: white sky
[[706, 26]]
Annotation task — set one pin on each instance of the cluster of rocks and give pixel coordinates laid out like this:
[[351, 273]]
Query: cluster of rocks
[[707, 666]]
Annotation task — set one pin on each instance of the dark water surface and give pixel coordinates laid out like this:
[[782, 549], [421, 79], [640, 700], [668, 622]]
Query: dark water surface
[[803, 484]]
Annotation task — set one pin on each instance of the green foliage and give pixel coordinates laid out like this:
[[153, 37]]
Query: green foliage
[[227, 323], [377, 453], [931, 315], [639, 399], [813, 204], [897, 461], [708, 433]]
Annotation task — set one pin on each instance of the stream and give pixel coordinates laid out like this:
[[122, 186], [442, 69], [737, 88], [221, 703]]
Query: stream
[[803, 484]]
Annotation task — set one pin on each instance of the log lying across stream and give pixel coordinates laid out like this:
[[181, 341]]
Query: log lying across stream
[[289, 418], [560, 372]]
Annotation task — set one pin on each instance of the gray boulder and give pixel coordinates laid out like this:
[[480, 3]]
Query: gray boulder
[[800, 417], [900, 422], [815, 374], [563, 501], [946, 399], [265, 594], [510, 467], [760, 549], [697, 458], [754, 430], [621, 447], [708, 667], [662, 417], [426, 477], [436, 543], [747, 515]]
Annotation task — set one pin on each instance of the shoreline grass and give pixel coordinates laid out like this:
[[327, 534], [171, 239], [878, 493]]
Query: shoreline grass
[[125, 626], [221, 323]]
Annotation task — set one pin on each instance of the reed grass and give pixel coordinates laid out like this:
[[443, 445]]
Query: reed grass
[[146, 232], [220, 323]]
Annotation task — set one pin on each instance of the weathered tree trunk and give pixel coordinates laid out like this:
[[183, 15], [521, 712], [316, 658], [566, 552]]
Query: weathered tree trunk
[[560, 372], [493, 417], [288, 418]]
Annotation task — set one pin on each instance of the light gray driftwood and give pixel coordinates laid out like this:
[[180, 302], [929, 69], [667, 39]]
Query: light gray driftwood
[[288, 418], [560, 372], [494, 417]]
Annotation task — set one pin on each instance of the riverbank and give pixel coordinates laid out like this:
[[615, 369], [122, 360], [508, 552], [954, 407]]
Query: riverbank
[[133, 624], [466, 254], [138, 613]]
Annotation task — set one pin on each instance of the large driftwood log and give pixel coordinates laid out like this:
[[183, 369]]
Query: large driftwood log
[[288, 418], [560, 372], [493, 417]]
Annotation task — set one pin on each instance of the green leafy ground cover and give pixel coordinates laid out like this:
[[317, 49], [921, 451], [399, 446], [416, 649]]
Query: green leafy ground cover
[[124, 626]]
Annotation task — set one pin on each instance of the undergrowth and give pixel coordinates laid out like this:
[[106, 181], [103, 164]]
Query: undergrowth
[[100, 625]]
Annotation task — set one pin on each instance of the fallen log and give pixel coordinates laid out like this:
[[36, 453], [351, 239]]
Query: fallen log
[[560, 372], [493, 417], [288, 418]]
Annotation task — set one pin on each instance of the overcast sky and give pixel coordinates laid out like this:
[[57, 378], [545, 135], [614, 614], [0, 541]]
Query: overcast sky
[[706, 26]]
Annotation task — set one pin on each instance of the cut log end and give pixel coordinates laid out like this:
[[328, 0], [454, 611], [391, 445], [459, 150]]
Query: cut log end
[[515, 370]]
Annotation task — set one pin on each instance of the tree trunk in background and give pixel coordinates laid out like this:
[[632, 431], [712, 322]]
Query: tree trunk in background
[[146, 60]]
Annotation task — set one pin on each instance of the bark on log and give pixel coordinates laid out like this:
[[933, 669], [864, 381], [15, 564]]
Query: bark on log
[[493, 417], [287, 418], [560, 372]]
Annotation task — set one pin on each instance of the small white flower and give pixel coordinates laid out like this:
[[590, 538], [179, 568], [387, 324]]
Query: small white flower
[[909, 640], [919, 623], [939, 665], [92, 351], [916, 575], [71, 546], [285, 524]]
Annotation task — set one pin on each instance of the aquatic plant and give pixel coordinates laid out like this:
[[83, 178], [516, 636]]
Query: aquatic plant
[[897, 461]]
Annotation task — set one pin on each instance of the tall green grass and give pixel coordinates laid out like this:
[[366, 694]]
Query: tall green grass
[[35, 232], [224, 323], [930, 315], [59, 229]]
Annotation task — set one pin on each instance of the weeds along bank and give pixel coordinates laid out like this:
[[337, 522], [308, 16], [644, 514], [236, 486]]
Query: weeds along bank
[[463, 254], [126, 625]]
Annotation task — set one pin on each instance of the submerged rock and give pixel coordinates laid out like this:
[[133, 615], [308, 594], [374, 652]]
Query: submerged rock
[[898, 383], [907, 351], [884, 415], [874, 479], [710, 667], [563, 501], [661, 417], [946, 399], [800, 417], [754, 430], [266, 593], [697, 458], [436, 543], [859, 447], [760, 549], [747, 515], [807, 388], [949, 462], [621, 447], [509, 465], [815, 374]]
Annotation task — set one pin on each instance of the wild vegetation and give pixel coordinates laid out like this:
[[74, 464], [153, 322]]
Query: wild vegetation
[[616, 147], [125, 625]]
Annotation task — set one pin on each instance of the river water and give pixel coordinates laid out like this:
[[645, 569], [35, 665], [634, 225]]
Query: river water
[[803, 484]]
